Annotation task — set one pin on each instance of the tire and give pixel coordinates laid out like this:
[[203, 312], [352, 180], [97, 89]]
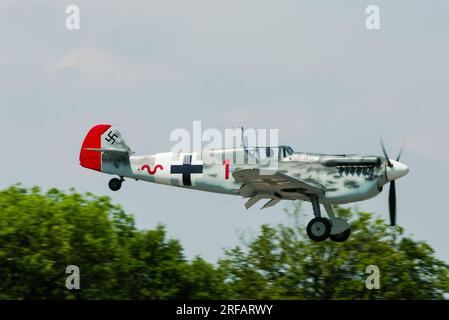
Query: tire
[[115, 184], [341, 237], [319, 229]]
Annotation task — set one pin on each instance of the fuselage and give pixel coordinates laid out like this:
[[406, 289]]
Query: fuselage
[[346, 178], [336, 179]]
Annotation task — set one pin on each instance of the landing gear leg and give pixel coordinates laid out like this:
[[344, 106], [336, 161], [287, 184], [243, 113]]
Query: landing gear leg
[[319, 228], [341, 230], [115, 184], [316, 207]]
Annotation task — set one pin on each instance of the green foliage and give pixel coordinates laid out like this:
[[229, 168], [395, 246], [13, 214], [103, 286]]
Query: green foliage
[[42, 233], [282, 263]]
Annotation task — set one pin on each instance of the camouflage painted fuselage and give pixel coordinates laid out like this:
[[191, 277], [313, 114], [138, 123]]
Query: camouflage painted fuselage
[[345, 178]]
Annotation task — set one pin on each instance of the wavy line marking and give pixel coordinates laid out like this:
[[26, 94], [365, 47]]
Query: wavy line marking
[[154, 171]]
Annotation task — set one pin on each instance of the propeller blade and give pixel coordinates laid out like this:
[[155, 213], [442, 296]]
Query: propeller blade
[[385, 153], [392, 203], [400, 153]]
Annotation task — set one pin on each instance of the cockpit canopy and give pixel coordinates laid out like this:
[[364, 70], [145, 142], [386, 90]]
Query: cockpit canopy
[[279, 152]]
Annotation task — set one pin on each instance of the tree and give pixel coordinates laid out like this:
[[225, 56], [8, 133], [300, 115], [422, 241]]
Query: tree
[[282, 263], [42, 234]]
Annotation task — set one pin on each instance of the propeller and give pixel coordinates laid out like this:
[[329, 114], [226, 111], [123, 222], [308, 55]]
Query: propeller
[[392, 192], [392, 203], [386, 154]]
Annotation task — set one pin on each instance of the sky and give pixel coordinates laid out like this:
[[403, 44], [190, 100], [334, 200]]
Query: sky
[[308, 68]]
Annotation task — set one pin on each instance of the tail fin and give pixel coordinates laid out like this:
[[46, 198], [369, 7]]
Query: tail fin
[[101, 138]]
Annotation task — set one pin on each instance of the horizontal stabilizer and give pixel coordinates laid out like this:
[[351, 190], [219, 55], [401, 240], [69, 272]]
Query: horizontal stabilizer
[[108, 150]]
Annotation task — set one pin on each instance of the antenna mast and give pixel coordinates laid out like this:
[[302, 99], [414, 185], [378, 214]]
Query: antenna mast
[[243, 138]]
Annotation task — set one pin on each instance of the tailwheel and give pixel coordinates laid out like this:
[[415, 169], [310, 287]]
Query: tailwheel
[[115, 184], [319, 229], [341, 237]]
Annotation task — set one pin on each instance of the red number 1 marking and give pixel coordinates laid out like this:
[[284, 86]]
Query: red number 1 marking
[[227, 165]]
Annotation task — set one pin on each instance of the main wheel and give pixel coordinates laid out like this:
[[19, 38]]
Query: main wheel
[[319, 229], [341, 237], [115, 184]]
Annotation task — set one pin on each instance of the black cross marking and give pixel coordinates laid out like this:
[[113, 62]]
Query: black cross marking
[[111, 137], [187, 169]]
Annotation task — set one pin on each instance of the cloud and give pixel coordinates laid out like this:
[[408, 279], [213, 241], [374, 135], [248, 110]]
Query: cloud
[[102, 68], [3, 61]]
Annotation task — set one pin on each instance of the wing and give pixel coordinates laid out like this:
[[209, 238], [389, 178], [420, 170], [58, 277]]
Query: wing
[[259, 185]]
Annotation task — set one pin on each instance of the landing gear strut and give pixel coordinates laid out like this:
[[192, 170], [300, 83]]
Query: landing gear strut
[[115, 184], [319, 229], [341, 230]]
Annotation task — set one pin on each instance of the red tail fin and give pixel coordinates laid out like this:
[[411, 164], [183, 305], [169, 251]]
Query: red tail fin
[[92, 159]]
